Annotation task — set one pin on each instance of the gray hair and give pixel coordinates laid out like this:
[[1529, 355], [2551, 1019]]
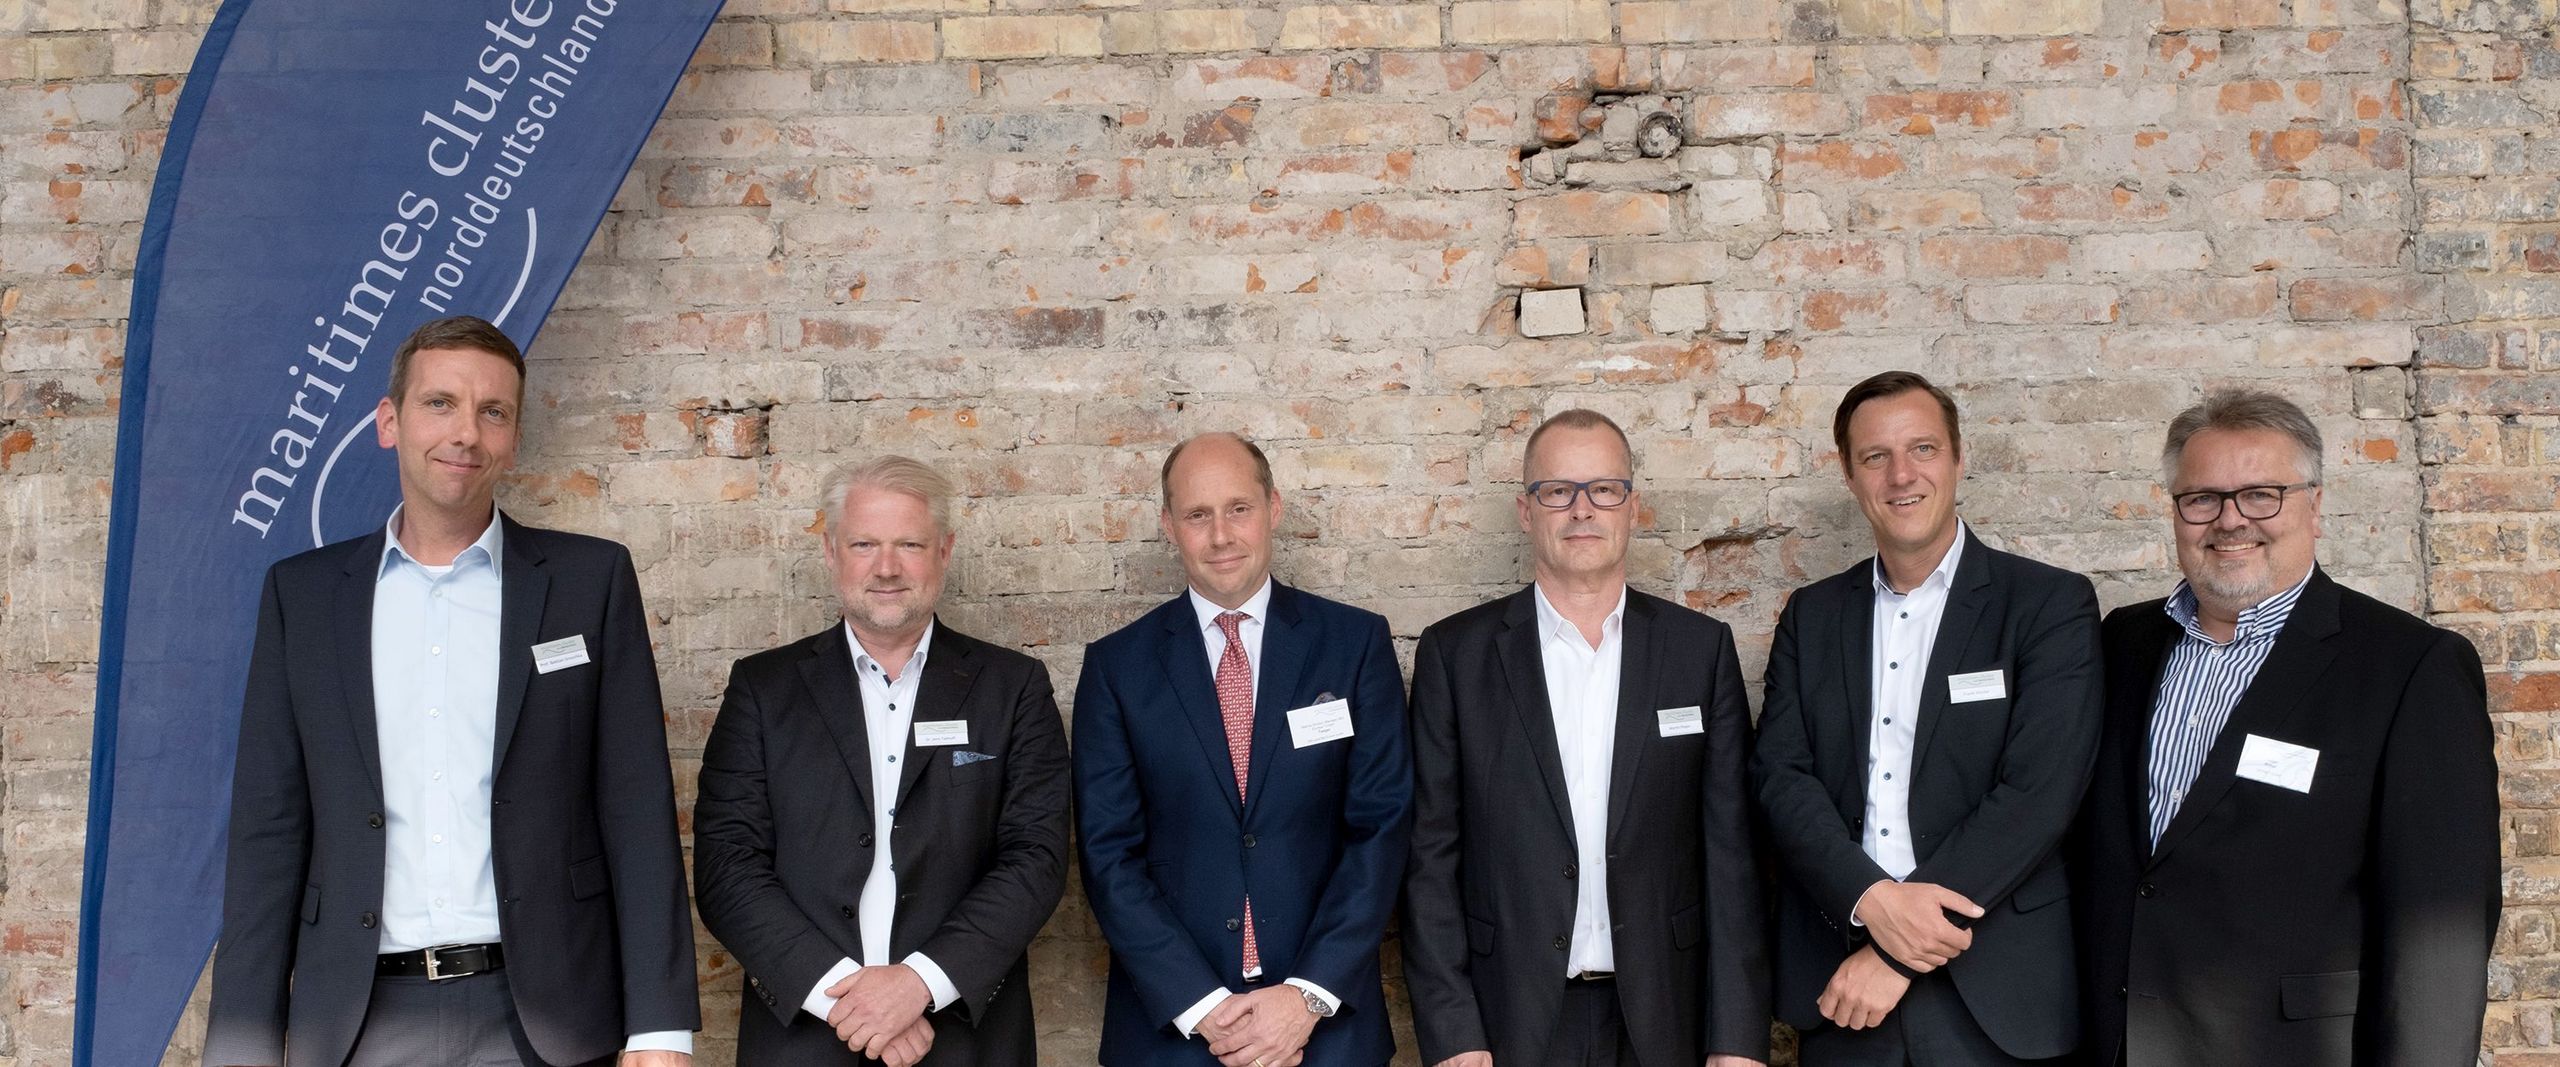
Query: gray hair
[[2232, 408], [897, 474]]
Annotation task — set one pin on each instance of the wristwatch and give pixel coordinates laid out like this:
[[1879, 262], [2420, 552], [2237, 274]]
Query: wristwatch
[[1316, 1005]]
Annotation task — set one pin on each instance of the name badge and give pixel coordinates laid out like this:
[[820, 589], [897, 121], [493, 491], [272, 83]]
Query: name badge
[[943, 732], [1316, 724], [1980, 685], [568, 651], [1680, 722], [2265, 759]]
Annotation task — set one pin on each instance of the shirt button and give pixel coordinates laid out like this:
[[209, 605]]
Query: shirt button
[[1888, 720], [1888, 776], [439, 902], [435, 650], [434, 714], [437, 838], [893, 759], [1884, 833], [1904, 615], [438, 776], [436, 592], [1893, 666]]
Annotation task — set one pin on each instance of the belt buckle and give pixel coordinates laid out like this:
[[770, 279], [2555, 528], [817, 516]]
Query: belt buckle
[[434, 970]]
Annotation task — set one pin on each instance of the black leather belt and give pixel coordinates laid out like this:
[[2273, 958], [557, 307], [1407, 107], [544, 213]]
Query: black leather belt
[[440, 962]]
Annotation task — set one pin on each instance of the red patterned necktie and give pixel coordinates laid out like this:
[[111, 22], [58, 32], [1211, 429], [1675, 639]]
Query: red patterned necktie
[[1235, 704]]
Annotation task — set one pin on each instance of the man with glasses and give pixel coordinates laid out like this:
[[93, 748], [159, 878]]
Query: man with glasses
[[2290, 848], [1926, 731], [1582, 891]]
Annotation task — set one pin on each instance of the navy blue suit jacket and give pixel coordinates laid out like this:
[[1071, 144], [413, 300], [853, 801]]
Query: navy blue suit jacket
[[1170, 853]]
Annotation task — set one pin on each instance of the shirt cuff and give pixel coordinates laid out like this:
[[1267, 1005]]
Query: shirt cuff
[[661, 1041], [1331, 1003], [1862, 901], [1189, 1022], [944, 993], [818, 1003]]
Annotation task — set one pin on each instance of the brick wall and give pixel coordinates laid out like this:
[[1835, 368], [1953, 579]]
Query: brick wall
[[1040, 241]]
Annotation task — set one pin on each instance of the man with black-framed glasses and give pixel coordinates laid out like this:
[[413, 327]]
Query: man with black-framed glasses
[[2290, 847], [1582, 891]]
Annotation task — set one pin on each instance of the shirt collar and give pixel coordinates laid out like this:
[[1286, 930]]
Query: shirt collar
[[2258, 621], [491, 544], [1257, 607], [1943, 576], [1552, 623], [862, 656]]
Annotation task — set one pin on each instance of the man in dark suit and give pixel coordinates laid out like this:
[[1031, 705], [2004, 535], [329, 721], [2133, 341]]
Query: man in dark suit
[[1925, 735], [1242, 795], [453, 832], [1582, 890], [882, 825], [2291, 840]]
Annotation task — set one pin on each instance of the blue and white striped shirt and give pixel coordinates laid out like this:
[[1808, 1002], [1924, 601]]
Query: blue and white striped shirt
[[2202, 683]]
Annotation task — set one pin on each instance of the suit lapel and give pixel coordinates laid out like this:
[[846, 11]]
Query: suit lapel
[[353, 616], [1524, 667], [1285, 639], [950, 669], [1186, 666], [2140, 689], [1638, 658], [519, 622], [828, 672], [1857, 656], [1960, 626], [2303, 651]]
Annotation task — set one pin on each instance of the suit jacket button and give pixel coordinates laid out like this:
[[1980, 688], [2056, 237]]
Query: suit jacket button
[[1563, 943], [864, 840], [374, 820], [366, 921], [2148, 890], [1570, 870], [1248, 840], [2119, 992], [1235, 924], [846, 910]]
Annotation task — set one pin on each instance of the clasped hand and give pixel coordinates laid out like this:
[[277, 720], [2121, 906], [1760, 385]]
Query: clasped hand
[[880, 1013]]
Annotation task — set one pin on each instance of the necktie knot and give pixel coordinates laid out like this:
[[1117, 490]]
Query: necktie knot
[[1229, 621]]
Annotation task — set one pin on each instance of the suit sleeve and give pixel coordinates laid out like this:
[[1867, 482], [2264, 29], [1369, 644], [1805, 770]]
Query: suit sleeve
[[1159, 957], [742, 899], [993, 924], [1737, 943], [268, 863], [2435, 865], [1446, 1018], [1816, 848], [2054, 722], [635, 804], [1377, 811]]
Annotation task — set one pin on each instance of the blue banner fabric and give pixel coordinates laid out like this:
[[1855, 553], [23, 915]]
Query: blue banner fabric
[[337, 173]]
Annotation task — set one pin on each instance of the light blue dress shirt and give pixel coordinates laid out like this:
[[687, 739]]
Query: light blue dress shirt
[[435, 710]]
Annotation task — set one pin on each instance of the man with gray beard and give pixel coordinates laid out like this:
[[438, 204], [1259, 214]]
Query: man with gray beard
[[2289, 853]]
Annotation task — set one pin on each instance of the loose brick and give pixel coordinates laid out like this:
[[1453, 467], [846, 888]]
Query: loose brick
[[1592, 214]]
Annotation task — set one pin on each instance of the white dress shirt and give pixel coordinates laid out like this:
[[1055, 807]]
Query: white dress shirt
[[1582, 694], [435, 715], [1214, 638], [1906, 629], [888, 712]]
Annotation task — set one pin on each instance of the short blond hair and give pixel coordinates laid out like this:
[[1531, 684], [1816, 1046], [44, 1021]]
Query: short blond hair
[[897, 474]]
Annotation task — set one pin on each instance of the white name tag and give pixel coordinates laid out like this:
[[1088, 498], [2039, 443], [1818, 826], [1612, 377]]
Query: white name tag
[[943, 732], [2265, 759], [1980, 685], [1316, 724], [1680, 722], [568, 651]]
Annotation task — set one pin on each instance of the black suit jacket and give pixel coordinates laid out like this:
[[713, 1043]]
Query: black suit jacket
[[782, 840], [1489, 893], [591, 893], [2347, 925], [1993, 784]]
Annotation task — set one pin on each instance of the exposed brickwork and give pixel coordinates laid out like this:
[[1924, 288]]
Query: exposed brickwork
[[1040, 241]]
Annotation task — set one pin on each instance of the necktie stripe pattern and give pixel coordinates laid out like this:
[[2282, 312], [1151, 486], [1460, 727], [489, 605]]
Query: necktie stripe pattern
[[1235, 705]]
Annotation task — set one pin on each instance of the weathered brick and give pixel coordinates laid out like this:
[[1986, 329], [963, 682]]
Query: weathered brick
[[1021, 36], [1196, 30], [2043, 303], [1695, 21], [1592, 214], [1985, 256], [2329, 299], [1362, 26], [1760, 115], [1528, 21], [856, 42]]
